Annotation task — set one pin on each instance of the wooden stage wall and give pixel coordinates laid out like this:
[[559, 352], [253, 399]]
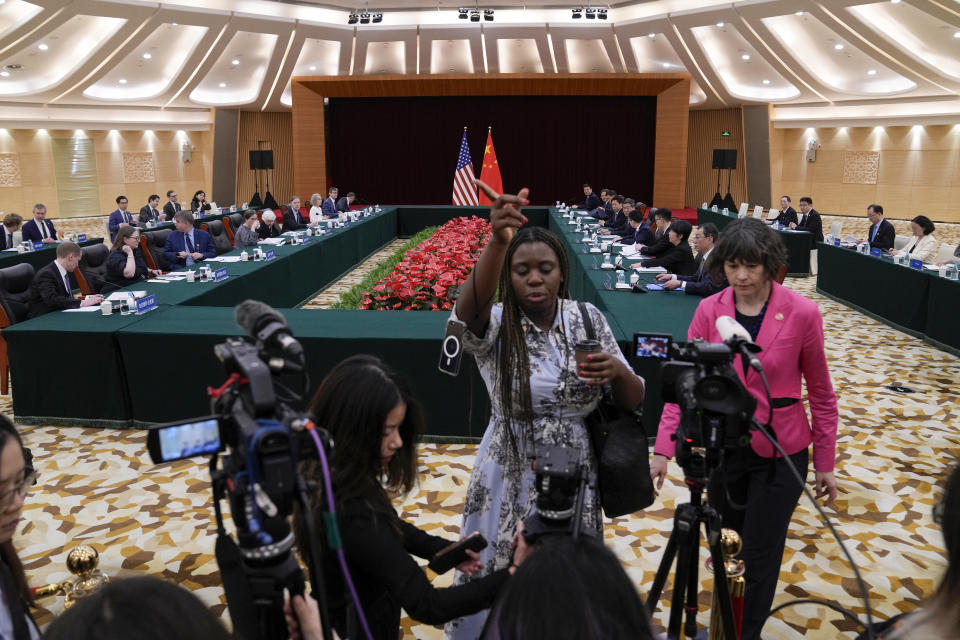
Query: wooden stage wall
[[671, 89]]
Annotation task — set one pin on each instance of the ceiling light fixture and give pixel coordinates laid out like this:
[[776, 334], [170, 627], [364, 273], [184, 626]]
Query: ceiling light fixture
[[378, 17], [352, 19], [798, 13], [488, 15], [745, 56], [719, 25], [147, 56], [591, 13], [462, 13], [666, 65], [475, 15], [222, 85], [5, 74], [235, 61], [122, 81], [312, 67], [838, 47], [651, 35], [601, 14], [956, 34], [577, 13], [895, 1], [766, 82], [364, 18], [871, 72], [42, 47]]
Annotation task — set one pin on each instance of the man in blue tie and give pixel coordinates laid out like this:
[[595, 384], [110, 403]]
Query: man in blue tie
[[293, 218], [882, 234], [119, 217], [187, 246], [51, 289], [329, 206]]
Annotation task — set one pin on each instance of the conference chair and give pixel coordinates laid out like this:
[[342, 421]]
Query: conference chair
[[836, 228], [899, 242], [91, 273], [152, 243], [235, 220], [218, 234], [15, 284], [946, 252]]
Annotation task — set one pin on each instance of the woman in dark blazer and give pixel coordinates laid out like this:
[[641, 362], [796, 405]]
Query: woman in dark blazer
[[199, 203], [678, 258], [269, 227], [789, 329], [125, 263]]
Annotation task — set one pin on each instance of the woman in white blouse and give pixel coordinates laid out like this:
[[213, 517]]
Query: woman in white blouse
[[922, 246], [316, 211]]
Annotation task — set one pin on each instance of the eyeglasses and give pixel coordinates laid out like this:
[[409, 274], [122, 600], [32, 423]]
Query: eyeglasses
[[21, 489]]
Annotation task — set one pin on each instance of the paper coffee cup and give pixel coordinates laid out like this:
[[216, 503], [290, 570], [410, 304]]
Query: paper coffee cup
[[191, 276], [106, 307], [585, 348]]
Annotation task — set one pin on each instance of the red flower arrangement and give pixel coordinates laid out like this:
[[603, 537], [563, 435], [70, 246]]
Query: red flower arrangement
[[423, 279]]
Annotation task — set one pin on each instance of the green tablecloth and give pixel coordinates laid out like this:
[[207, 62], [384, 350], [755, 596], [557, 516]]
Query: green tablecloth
[[408, 341], [919, 303], [799, 244]]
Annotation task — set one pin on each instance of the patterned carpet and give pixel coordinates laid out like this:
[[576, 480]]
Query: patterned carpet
[[99, 487]]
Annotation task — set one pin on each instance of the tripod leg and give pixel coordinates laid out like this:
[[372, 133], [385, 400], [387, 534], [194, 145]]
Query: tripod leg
[[689, 529], [663, 570], [693, 583]]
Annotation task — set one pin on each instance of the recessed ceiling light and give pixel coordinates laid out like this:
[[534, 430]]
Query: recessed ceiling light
[[838, 47], [745, 56], [312, 67], [122, 81], [651, 35], [235, 61], [666, 65], [872, 72], [956, 34], [147, 56], [766, 82], [223, 84], [798, 13], [719, 25], [5, 74], [42, 47], [895, 1]]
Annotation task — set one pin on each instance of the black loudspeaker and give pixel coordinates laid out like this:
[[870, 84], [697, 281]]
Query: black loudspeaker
[[266, 159], [256, 160], [724, 158]]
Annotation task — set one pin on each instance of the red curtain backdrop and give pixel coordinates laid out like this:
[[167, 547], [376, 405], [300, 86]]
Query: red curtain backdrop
[[404, 150]]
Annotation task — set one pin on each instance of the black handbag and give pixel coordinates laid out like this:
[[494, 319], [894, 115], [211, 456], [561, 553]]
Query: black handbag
[[620, 445]]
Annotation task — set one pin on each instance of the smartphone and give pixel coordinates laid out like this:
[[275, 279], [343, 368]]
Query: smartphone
[[449, 557], [651, 345], [451, 351], [186, 439]]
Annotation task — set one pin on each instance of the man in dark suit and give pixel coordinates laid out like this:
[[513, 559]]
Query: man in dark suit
[[151, 211], [51, 289], [119, 217], [591, 200], [787, 213], [39, 229], [700, 283], [809, 219], [642, 234], [187, 246], [663, 218], [293, 219], [328, 207], [343, 204], [616, 222], [605, 210], [172, 206], [11, 224], [881, 234]]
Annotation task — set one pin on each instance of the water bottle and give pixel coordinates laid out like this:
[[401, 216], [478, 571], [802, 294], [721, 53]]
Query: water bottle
[[606, 261], [828, 239], [952, 271], [621, 278], [586, 237]]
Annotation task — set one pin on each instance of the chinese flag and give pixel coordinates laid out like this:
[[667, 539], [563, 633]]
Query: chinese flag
[[490, 173]]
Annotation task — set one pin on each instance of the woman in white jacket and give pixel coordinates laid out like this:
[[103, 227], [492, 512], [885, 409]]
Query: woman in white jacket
[[922, 246]]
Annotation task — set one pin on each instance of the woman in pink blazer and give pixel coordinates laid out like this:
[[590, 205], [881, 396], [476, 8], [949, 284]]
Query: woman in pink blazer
[[755, 493]]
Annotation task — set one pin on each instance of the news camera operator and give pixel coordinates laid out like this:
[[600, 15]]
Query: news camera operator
[[374, 421], [755, 491]]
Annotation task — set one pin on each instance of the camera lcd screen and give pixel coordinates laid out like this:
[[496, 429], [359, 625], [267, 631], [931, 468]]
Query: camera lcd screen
[[190, 439], [651, 345]]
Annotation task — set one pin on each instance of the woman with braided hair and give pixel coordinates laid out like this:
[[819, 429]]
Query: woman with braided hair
[[539, 396]]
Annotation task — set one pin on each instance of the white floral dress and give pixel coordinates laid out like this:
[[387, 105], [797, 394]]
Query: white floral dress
[[499, 496]]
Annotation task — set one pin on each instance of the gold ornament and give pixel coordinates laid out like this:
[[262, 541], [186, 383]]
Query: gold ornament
[[82, 562]]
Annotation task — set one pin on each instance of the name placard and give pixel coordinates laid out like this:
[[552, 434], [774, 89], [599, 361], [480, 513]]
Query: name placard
[[836, 242], [82, 237], [305, 240], [916, 264], [220, 274], [146, 304], [37, 246], [875, 252], [269, 254]]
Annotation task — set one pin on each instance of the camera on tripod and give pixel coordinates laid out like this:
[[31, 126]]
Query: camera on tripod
[[560, 483], [716, 410], [260, 438]]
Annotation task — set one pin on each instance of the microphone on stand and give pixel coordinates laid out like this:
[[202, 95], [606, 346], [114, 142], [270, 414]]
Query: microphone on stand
[[737, 337]]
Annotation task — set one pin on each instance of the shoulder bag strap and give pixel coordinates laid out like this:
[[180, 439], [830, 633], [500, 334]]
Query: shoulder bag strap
[[587, 322]]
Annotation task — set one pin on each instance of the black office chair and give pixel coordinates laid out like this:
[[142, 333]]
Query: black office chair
[[91, 273], [152, 243], [218, 234], [236, 221], [15, 284]]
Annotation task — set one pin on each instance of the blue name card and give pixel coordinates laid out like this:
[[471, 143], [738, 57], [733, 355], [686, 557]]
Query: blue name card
[[269, 254], [220, 274], [836, 242], [305, 240], [82, 237], [37, 246], [146, 304], [875, 252], [916, 264]]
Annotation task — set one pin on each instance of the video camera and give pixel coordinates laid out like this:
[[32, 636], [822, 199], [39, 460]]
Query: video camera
[[260, 438], [560, 483]]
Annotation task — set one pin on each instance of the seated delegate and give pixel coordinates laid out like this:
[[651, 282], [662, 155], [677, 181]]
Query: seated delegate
[[642, 233], [11, 224], [247, 235], [51, 289], [809, 219], [199, 202], [881, 234], [187, 245], [119, 217], [125, 262], [664, 219], [678, 258], [292, 218], [701, 282], [151, 212], [591, 200], [788, 216], [39, 229], [616, 221], [269, 228], [922, 245]]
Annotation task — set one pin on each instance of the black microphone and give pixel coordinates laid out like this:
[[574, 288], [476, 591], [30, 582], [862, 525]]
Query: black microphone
[[264, 324]]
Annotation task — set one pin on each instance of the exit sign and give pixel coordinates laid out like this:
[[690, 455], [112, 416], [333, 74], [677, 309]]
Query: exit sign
[[724, 133]]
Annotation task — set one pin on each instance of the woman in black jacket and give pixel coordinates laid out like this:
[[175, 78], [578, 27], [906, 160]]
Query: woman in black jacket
[[678, 258], [199, 203], [374, 421], [125, 263]]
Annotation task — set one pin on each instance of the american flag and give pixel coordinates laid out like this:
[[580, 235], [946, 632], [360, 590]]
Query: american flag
[[464, 191]]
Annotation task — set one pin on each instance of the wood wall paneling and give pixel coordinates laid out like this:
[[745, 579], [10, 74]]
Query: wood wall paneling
[[706, 129], [670, 160], [273, 131], [309, 141]]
